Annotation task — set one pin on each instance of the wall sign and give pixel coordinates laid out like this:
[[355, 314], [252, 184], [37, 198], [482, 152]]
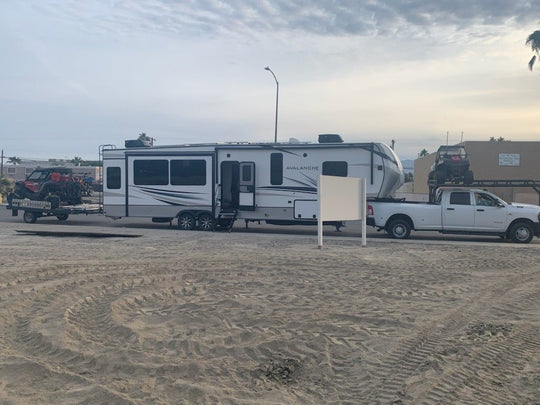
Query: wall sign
[[508, 159]]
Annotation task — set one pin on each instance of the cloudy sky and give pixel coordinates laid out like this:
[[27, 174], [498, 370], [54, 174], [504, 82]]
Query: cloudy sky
[[77, 74]]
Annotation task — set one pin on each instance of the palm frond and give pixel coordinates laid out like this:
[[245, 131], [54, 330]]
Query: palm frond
[[531, 62], [534, 41]]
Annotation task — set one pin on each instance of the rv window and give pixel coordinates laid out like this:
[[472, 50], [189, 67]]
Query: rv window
[[114, 179], [460, 198], [276, 169], [334, 169], [188, 172], [246, 173], [151, 172]]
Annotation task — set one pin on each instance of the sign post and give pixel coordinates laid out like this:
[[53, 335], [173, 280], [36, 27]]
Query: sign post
[[340, 199]]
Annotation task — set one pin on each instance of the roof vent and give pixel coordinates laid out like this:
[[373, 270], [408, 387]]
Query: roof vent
[[330, 138]]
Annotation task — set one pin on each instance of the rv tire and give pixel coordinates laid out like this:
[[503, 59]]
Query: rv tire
[[206, 222], [186, 221]]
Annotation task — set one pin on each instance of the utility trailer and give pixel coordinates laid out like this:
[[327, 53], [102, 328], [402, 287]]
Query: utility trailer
[[206, 186], [34, 209]]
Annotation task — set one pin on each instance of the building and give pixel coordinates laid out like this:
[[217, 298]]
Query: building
[[490, 160]]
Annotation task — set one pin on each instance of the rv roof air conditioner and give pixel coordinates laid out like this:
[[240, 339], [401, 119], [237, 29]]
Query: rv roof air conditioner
[[330, 138], [137, 143]]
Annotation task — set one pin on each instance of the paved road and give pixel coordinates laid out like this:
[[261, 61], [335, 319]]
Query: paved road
[[352, 228]]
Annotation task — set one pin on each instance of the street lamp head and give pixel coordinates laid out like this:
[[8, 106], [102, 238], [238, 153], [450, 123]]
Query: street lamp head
[[267, 68]]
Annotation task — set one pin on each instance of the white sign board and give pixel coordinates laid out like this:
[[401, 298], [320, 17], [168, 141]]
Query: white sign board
[[340, 199], [509, 159]]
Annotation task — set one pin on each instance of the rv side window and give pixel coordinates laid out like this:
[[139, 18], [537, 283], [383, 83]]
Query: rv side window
[[246, 173], [460, 198], [276, 169], [151, 172], [335, 169], [188, 172], [114, 179]]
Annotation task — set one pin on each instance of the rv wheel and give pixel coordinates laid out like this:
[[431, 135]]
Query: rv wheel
[[62, 217], [206, 222], [186, 221]]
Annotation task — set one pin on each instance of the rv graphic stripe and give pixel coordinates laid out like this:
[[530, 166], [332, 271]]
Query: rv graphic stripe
[[185, 195], [309, 190]]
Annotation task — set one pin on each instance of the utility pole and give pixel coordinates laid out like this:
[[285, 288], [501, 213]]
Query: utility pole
[[277, 99], [2, 164]]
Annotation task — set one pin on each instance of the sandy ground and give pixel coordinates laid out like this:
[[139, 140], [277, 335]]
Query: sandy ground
[[201, 318]]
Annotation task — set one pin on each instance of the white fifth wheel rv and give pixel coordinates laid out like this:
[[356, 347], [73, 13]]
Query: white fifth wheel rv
[[209, 185]]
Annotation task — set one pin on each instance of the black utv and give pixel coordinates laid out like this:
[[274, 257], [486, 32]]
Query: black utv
[[451, 165]]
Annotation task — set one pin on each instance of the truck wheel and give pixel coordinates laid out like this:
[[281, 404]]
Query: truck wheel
[[521, 232], [186, 221], [206, 222], [30, 217], [62, 217], [399, 229]]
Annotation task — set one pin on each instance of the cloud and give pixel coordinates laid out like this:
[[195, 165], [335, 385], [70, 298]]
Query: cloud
[[324, 17]]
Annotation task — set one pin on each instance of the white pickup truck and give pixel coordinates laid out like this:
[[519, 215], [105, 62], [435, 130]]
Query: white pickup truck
[[457, 210]]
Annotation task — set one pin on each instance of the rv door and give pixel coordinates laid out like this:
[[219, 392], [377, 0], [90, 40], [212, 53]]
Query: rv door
[[247, 186]]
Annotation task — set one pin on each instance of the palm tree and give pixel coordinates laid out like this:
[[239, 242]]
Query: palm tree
[[145, 138], [534, 41], [423, 152], [77, 161], [14, 160]]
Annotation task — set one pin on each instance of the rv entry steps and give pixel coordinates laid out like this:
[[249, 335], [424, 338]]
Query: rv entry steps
[[226, 219]]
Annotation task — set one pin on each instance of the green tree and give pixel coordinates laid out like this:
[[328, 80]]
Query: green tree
[[409, 177], [423, 152], [6, 186], [77, 161], [533, 41], [14, 160], [145, 138]]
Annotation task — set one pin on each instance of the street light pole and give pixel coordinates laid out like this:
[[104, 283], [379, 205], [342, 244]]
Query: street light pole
[[277, 100]]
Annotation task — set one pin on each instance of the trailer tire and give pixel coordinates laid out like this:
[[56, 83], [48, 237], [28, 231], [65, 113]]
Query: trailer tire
[[30, 217], [399, 228], [206, 222], [186, 221], [521, 232], [62, 217]]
